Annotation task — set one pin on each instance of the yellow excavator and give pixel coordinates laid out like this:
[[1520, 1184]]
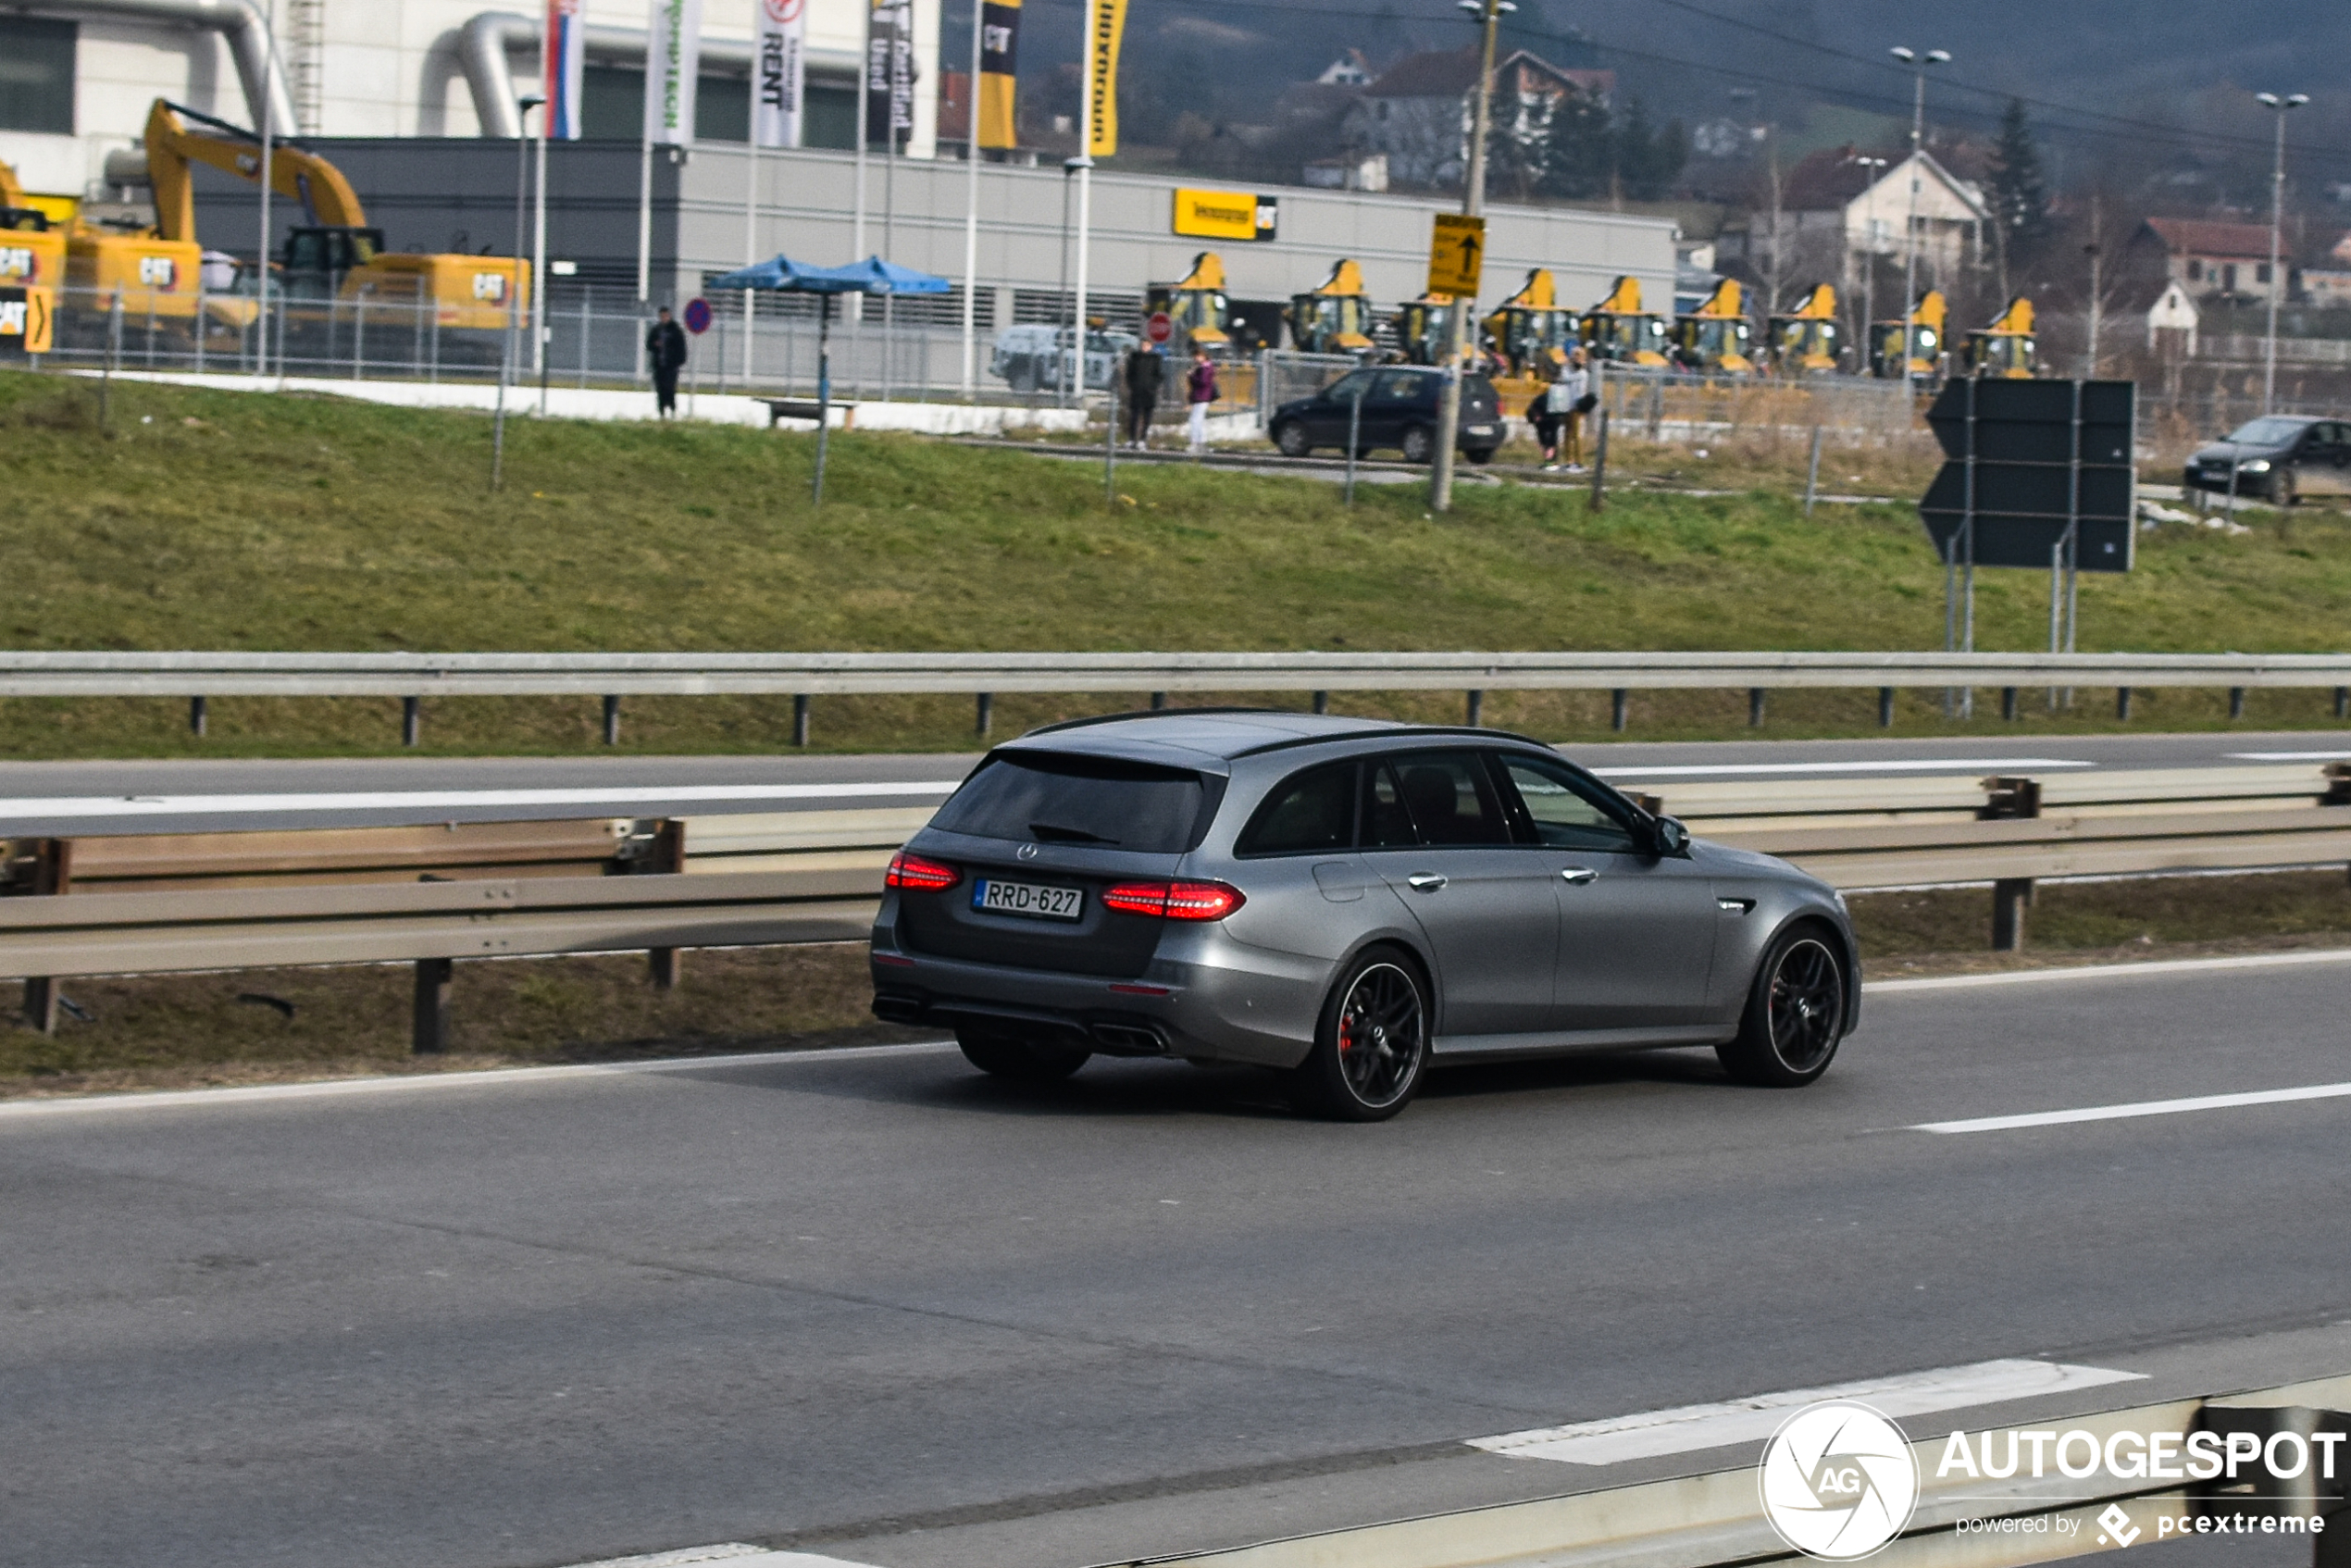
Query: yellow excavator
[[1197, 306], [2005, 350], [1335, 318], [1805, 340], [1424, 328], [1618, 329], [1527, 326], [1717, 337], [337, 255], [32, 270], [1927, 348]]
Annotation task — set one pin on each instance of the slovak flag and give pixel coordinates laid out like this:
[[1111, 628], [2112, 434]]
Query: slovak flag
[[565, 54]]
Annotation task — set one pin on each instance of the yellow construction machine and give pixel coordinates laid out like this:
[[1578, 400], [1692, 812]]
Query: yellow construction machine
[[1197, 306], [1717, 337], [1527, 326], [1926, 351], [1805, 340], [1424, 328], [1335, 318], [337, 255], [2005, 350], [32, 270], [1618, 329]]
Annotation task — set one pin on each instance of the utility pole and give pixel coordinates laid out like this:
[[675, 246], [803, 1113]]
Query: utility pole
[[1871, 172], [1489, 14], [2277, 222], [1918, 64]]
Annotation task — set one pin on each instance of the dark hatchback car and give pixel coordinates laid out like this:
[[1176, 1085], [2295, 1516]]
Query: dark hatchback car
[[1399, 414], [1347, 902], [2277, 458]]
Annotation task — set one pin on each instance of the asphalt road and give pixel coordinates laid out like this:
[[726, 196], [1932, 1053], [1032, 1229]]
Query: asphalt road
[[870, 1304], [157, 796]]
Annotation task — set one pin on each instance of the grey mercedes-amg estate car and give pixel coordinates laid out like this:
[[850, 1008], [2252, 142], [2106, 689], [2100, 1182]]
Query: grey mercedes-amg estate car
[[1347, 900]]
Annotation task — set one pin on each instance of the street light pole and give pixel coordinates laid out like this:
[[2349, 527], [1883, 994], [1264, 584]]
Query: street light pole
[[1489, 14], [1872, 169], [1918, 64], [509, 362], [2278, 106]]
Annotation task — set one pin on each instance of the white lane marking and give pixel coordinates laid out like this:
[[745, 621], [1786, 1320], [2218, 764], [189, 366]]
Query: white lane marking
[[2290, 756], [2140, 1108], [1913, 764], [409, 1083], [735, 1554], [1690, 1428], [2107, 971], [442, 800]]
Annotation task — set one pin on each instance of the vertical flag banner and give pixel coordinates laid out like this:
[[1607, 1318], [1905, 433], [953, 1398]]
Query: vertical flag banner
[[673, 60], [999, 73], [890, 71], [1105, 26], [782, 73], [566, 57]]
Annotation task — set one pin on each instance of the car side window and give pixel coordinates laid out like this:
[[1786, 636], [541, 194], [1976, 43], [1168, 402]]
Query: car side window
[[1399, 385], [1564, 811], [1309, 813], [1442, 798], [1347, 388]]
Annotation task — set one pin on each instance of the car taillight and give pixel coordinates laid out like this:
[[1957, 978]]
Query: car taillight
[[923, 875], [1175, 901]]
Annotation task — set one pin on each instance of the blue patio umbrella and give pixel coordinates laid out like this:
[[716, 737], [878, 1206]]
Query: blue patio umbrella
[[780, 274]]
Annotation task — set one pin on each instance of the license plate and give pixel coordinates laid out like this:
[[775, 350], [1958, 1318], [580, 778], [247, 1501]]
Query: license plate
[[1481, 430], [992, 897]]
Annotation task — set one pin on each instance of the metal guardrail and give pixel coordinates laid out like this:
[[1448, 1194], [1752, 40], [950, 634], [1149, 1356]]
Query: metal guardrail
[[1716, 1518]]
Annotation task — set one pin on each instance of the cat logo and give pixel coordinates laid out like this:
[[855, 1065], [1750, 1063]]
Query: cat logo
[[28, 314], [16, 261], [158, 272], [489, 287]]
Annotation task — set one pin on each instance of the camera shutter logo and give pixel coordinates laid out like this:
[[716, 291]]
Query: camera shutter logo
[[1838, 1481]]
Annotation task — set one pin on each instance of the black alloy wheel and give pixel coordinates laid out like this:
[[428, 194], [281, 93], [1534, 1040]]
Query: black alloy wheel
[[1290, 436], [1371, 1046], [1794, 1014]]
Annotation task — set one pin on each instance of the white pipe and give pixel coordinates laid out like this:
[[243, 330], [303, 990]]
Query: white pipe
[[258, 69]]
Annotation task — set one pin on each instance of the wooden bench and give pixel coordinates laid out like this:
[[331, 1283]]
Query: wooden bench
[[782, 408]]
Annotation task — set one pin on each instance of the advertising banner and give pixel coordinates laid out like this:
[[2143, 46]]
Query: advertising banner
[[780, 73], [673, 59], [1105, 28], [890, 71], [999, 73]]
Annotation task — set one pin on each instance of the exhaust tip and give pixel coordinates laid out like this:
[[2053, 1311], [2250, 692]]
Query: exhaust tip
[[899, 1009]]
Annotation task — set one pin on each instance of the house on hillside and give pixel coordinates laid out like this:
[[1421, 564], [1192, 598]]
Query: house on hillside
[[1418, 112], [1841, 205], [2212, 258], [1350, 69]]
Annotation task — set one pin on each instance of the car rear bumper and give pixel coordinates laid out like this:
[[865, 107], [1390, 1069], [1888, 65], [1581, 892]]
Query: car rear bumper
[[1215, 999]]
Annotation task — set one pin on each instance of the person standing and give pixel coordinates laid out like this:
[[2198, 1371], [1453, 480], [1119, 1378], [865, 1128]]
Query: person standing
[[1199, 390], [665, 355], [1543, 408], [1145, 371], [1574, 398]]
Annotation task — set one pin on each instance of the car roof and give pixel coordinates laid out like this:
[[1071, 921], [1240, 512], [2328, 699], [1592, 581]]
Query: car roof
[[1197, 737]]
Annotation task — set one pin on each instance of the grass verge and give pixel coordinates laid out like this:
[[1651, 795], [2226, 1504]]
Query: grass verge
[[220, 520], [175, 1031]]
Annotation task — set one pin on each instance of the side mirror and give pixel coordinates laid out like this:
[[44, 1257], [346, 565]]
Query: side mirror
[[1670, 837]]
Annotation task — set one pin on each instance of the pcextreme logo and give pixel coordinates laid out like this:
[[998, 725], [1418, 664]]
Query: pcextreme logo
[[1838, 1481]]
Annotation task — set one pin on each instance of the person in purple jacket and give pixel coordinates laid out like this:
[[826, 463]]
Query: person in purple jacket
[[1199, 389]]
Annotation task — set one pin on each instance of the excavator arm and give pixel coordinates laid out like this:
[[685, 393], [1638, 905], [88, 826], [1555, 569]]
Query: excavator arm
[[303, 176], [11, 193]]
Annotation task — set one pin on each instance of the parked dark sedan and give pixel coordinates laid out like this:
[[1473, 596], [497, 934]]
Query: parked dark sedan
[[1400, 413], [2277, 458]]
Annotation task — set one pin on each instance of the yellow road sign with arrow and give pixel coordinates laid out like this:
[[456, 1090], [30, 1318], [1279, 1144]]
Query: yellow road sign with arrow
[[1456, 253]]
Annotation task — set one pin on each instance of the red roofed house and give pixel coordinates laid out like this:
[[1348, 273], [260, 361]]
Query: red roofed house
[[2212, 258], [1418, 113]]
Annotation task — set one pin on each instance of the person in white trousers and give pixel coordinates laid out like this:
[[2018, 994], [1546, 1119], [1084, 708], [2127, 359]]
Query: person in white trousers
[[1199, 390]]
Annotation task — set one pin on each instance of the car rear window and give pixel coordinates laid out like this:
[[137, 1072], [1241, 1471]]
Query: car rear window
[[1062, 798]]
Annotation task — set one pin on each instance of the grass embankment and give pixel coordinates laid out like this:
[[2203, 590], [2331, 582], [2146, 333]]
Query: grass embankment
[[166, 1031], [219, 520]]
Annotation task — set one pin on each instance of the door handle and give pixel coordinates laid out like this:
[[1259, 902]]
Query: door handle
[[1425, 881], [1579, 875]]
